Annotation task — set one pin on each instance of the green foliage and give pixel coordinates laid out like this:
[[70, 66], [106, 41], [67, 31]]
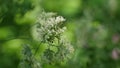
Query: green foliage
[[28, 60]]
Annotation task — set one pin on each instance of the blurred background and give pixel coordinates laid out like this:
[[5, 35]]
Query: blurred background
[[93, 27]]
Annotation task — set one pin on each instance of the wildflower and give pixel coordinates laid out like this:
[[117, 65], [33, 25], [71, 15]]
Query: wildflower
[[50, 31]]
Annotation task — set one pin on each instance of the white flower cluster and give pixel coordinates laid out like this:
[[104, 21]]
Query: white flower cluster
[[49, 29], [48, 26]]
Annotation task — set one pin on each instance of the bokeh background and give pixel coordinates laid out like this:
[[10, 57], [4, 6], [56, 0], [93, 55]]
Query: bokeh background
[[93, 27]]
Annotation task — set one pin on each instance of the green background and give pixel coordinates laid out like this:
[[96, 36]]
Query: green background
[[93, 27]]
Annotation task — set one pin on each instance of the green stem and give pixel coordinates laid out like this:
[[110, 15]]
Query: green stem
[[37, 48]]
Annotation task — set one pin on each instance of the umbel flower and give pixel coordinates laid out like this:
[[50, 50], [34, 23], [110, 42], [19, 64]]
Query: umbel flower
[[49, 29]]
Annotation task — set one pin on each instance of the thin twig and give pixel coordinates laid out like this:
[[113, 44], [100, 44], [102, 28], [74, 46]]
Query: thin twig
[[37, 49]]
